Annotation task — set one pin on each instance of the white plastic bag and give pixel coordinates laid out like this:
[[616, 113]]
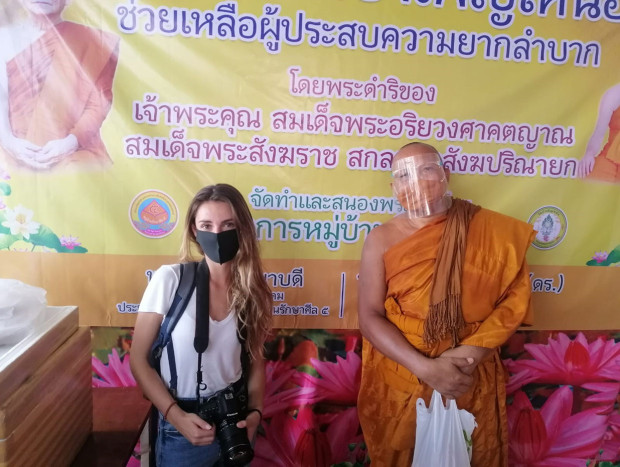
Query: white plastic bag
[[21, 305], [442, 434]]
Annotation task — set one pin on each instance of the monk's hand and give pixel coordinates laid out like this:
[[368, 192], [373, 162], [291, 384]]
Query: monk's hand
[[465, 351], [585, 165], [53, 151], [22, 150], [446, 375]]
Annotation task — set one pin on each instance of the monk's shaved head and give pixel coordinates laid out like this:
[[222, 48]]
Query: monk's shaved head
[[414, 149], [428, 147]]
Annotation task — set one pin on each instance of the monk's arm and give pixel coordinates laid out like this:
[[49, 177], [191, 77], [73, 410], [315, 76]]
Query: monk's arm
[[5, 125], [609, 103], [89, 123], [510, 312], [22, 150], [99, 103], [468, 351], [441, 374]]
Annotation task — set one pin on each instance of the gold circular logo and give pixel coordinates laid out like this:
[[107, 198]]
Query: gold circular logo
[[153, 214], [551, 225]]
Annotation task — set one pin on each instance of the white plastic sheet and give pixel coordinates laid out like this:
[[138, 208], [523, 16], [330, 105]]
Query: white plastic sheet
[[21, 305], [443, 434]]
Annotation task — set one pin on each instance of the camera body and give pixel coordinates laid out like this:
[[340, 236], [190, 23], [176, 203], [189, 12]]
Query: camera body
[[223, 410]]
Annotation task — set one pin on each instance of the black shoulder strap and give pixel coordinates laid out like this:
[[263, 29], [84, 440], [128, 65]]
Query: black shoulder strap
[[187, 282], [184, 291], [201, 333]]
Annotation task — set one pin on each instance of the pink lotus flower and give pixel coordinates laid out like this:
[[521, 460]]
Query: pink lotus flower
[[69, 242], [610, 450], [4, 175], [293, 441], [605, 395], [552, 436], [115, 374], [339, 381], [280, 395], [344, 430], [600, 256], [565, 361], [2, 205]]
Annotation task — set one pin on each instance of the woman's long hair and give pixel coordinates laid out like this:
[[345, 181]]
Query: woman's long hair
[[249, 293]]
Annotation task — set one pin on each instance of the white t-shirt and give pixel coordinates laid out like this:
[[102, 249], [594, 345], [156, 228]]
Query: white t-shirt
[[221, 362]]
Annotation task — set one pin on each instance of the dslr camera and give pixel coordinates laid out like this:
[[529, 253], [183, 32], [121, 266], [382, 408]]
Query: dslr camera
[[223, 410]]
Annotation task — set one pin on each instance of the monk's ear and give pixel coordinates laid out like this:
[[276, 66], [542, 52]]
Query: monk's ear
[[447, 172]]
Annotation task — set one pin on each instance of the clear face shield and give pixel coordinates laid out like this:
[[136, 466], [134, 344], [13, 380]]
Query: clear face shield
[[420, 185]]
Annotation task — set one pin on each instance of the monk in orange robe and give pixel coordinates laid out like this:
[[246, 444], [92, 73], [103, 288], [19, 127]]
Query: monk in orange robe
[[604, 165], [58, 93], [402, 262]]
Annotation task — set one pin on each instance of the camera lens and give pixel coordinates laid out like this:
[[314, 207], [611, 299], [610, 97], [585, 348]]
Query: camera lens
[[235, 447]]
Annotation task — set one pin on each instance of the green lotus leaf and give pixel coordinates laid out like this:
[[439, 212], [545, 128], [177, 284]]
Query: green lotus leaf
[[614, 256], [5, 188], [6, 240], [76, 249], [45, 237], [3, 229]]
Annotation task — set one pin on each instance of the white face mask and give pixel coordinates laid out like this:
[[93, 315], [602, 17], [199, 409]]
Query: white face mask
[[420, 185]]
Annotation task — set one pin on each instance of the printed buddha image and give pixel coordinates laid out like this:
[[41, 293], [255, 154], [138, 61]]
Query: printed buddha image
[[604, 164], [55, 88], [547, 227]]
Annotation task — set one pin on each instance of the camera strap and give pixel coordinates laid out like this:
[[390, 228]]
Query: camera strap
[[201, 334]]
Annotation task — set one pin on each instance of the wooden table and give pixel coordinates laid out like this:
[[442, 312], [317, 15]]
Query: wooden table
[[119, 416]]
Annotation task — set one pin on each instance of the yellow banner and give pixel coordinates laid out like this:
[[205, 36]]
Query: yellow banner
[[113, 114]]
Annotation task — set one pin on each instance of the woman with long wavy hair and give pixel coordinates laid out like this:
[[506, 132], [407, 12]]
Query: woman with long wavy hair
[[194, 383]]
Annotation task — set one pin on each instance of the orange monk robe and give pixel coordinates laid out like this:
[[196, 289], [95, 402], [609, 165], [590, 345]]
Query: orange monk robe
[[62, 84], [607, 162], [495, 301]]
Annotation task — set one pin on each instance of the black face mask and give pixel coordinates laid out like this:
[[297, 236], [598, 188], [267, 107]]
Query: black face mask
[[219, 247]]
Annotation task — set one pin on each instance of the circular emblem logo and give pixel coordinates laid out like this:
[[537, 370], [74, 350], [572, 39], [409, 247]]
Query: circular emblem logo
[[153, 214], [551, 225]]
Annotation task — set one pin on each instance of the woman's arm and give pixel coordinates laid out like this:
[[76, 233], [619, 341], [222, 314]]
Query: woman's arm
[[190, 425], [256, 393]]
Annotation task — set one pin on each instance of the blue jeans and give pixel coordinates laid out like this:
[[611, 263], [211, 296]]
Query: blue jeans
[[174, 450]]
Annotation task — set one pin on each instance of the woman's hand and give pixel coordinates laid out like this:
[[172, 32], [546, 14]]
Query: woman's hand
[[251, 422], [191, 426]]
